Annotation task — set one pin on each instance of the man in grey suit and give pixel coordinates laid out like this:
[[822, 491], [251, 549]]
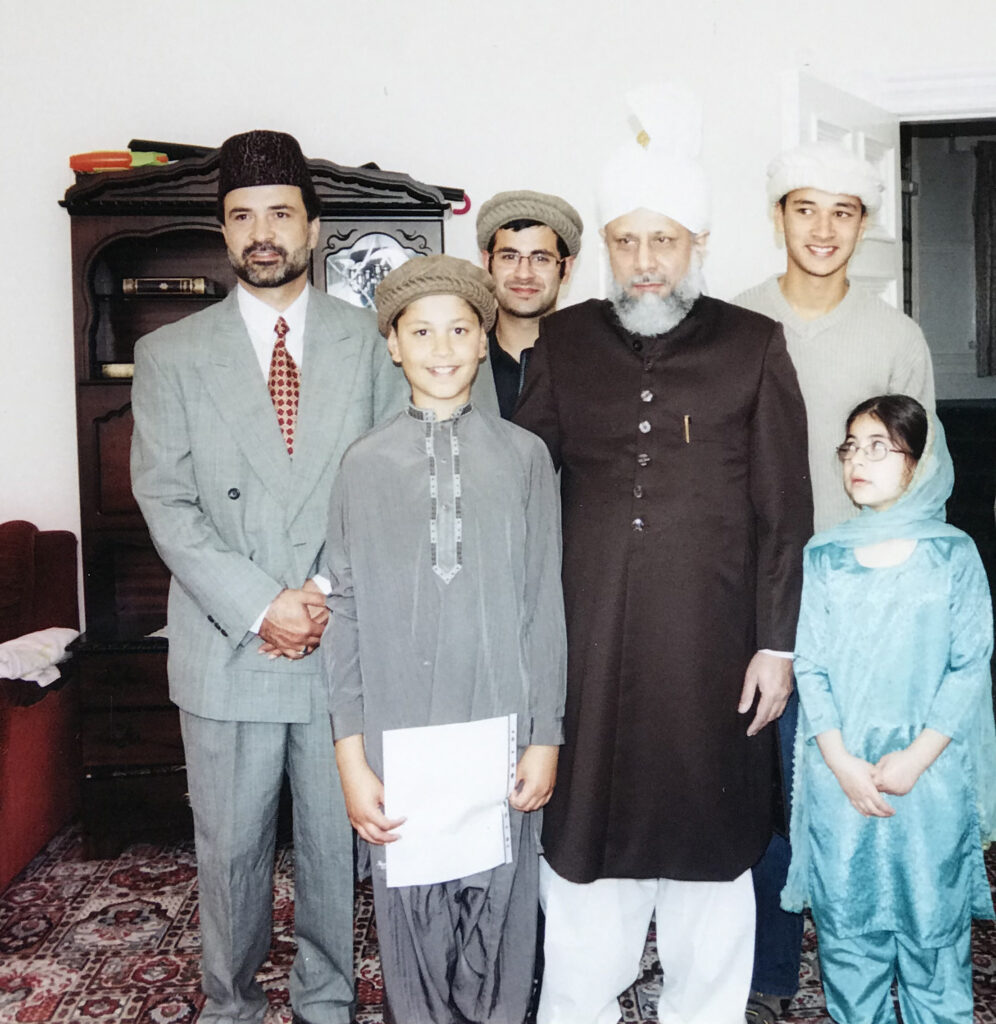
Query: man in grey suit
[[242, 413]]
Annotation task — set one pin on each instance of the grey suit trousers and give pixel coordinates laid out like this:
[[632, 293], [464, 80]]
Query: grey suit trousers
[[235, 771]]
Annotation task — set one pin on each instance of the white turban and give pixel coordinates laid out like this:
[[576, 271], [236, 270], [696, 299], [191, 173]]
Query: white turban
[[826, 166], [664, 175]]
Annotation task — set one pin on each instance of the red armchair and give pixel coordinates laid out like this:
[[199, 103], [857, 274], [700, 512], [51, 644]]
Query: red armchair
[[39, 745]]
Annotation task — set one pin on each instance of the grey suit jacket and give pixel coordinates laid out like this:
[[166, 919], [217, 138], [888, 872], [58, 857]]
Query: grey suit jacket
[[232, 516]]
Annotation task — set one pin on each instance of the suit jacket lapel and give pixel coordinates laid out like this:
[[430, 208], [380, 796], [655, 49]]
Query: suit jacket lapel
[[327, 380], [234, 381]]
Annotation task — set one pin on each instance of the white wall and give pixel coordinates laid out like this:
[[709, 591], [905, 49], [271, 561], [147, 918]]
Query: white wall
[[486, 96]]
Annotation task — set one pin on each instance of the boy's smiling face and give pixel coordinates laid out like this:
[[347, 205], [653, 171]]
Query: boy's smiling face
[[821, 230], [439, 342]]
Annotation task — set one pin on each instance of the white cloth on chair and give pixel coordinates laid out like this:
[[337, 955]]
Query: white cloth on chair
[[35, 655]]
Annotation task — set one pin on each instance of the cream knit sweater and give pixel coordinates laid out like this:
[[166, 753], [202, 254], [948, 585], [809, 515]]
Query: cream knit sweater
[[862, 347]]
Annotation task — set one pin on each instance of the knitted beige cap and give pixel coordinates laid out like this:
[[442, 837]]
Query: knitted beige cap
[[434, 275], [827, 166], [556, 213]]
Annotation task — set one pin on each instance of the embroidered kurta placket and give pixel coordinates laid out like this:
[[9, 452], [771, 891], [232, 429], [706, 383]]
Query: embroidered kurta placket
[[445, 518]]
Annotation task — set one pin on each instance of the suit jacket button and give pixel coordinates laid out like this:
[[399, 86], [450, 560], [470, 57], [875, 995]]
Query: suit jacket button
[[234, 493]]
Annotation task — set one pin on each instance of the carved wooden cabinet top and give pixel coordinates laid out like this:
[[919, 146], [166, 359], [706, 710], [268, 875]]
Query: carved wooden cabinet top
[[190, 185]]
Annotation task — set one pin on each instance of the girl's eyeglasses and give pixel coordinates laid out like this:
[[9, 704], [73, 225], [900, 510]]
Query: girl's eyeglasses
[[875, 451]]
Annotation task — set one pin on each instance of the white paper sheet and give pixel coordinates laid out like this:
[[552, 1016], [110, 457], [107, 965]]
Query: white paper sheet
[[451, 783]]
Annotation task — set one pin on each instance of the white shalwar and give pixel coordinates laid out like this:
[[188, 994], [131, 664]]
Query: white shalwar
[[705, 943]]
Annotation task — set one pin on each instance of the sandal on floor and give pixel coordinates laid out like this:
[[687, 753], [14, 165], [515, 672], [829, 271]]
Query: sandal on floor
[[765, 1009]]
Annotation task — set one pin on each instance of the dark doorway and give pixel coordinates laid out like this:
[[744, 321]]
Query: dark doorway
[[939, 275], [939, 278]]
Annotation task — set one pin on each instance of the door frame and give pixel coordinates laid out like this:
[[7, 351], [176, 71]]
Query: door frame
[[956, 94]]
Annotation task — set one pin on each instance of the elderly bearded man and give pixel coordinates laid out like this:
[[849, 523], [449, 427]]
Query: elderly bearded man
[[677, 423]]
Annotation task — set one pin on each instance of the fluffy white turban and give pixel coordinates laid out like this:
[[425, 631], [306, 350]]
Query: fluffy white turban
[[661, 171], [826, 166]]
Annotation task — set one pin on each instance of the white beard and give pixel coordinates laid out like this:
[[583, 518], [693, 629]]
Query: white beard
[[652, 315]]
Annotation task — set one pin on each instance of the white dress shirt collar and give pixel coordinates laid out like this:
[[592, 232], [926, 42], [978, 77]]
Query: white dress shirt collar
[[260, 320]]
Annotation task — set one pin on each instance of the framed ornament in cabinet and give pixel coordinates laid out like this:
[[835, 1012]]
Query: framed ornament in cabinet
[[357, 257]]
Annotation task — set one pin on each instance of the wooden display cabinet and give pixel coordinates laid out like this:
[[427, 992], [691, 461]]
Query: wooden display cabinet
[[147, 250]]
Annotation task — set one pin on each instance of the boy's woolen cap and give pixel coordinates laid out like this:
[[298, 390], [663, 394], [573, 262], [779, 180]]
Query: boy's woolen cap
[[556, 213], [435, 275], [827, 166], [264, 158]]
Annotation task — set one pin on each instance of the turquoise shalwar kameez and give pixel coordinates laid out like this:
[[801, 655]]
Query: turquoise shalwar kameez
[[881, 654]]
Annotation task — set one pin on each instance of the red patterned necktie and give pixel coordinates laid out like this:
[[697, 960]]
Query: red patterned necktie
[[285, 385]]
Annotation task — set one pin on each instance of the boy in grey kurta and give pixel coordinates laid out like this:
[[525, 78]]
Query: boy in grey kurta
[[444, 558]]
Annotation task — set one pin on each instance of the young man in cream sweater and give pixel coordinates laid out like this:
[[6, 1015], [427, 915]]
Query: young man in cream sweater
[[846, 344]]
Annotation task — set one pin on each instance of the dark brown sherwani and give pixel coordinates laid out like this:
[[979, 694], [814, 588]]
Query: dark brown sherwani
[[686, 504]]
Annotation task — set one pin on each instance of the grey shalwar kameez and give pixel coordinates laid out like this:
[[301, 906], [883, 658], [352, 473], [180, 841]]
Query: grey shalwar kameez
[[444, 558]]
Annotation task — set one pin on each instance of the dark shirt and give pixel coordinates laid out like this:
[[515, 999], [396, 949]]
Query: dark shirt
[[509, 375]]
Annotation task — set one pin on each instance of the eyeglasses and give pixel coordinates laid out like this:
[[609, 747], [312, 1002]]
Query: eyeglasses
[[875, 451], [538, 260]]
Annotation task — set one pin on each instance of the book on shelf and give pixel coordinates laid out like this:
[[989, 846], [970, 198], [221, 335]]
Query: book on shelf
[[169, 286], [117, 371]]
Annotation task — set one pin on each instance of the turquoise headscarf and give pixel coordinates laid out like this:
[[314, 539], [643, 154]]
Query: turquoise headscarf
[[919, 512]]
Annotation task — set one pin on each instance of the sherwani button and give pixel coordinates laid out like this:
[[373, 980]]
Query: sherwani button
[[637, 345], [643, 459], [646, 395], [638, 524], [638, 491], [644, 427], [234, 493]]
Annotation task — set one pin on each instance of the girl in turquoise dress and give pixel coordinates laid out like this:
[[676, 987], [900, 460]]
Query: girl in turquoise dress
[[895, 781]]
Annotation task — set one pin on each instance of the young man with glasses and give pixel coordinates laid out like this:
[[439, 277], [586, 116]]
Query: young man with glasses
[[528, 241], [846, 344]]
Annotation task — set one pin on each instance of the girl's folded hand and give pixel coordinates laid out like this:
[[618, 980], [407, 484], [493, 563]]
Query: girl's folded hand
[[857, 779]]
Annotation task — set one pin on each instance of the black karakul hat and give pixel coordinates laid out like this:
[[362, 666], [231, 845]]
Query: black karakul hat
[[264, 158]]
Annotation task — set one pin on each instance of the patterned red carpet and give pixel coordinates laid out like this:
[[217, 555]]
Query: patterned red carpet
[[116, 942]]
